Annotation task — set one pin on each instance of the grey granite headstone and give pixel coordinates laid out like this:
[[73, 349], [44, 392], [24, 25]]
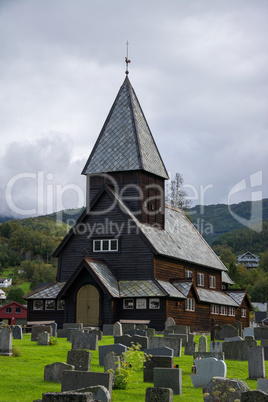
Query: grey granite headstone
[[216, 346], [238, 326], [233, 339], [136, 331], [190, 348], [16, 332], [168, 378], [99, 393], [204, 355], [72, 380], [117, 329], [170, 322], [159, 394], [43, 338], [206, 369], [72, 331], [261, 333], [126, 327], [224, 389], [85, 341], [129, 341], [262, 384], [97, 332], [226, 331], [54, 327], [36, 329], [67, 396], [248, 331], [117, 348], [155, 361], [238, 350], [80, 359], [5, 341], [180, 329], [256, 366], [77, 325], [53, 372], [108, 329], [264, 344], [164, 351], [150, 332], [203, 344], [111, 361], [254, 396], [170, 342], [183, 337]]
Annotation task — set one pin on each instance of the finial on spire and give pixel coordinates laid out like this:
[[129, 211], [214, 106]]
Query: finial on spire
[[126, 59]]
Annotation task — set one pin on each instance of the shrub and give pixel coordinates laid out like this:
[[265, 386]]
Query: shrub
[[16, 352]]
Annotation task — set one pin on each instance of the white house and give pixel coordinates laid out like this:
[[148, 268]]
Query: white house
[[5, 282], [249, 260]]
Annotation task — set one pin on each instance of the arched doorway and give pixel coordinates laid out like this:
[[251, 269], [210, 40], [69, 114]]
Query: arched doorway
[[88, 305]]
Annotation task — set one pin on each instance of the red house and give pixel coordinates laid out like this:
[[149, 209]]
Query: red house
[[13, 313]]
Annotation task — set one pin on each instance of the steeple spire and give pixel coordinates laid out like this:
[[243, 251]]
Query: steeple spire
[[126, 59]]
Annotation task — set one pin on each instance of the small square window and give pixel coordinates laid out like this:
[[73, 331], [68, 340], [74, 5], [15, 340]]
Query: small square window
[[128, 304], [141, 304], [105, 245], [60, 304], [18, 310], [114, 245], [97, 245], [188, 274], [200, 279], [50, 305], [38, 305], [8, 310], [154, 304]]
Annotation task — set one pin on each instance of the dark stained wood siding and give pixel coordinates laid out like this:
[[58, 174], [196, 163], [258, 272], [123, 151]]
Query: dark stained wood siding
[[133, 260], [44, 315]]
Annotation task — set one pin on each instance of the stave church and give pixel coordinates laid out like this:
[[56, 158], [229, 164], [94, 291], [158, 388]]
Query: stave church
[[130, 257]]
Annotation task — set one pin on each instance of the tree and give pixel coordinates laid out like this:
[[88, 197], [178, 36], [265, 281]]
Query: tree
[[264, 261], [15, 294], [176, 195]]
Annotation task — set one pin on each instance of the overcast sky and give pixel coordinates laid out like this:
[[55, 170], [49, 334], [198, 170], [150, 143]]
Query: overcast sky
[[198, 67]]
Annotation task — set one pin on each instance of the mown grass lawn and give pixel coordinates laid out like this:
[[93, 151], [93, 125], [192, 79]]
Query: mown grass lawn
[[21, 378]]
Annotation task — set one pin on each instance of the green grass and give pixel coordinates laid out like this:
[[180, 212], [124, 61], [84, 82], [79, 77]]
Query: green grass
[[21, 378]]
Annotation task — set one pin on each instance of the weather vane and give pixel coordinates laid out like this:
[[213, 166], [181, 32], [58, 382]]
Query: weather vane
[[126, 59]]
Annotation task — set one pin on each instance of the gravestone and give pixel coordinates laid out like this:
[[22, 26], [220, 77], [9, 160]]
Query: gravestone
[[213, 327], [155, 361], [190, 348], [43, 339], [179, 329], [164, 351], [54, 327], [183, 337], [67, 396], [97, 332], [84, 341], [63, 333], [76, 325], [238, 350], [117, 329], [142, 326], [159, 394], [108, 329], [168, 378], [126, 327], [71, 331], [72, 380], [53, 372], [136, 331], [99, 393], [206, 369], [261, 333], [128, 341], [111, 361], [216, 347], [233, 339], [204, 355], [224, 390], [170, 342], [5, 341], [150, 332], [16, 332], [248, 331], [238, 326], [226, 331], [203, 344], [264, 344], [256, 366], [37, 329], [254, 396], [191, 337], [117, 348], [80, 359], [262, 384], [170, 322]]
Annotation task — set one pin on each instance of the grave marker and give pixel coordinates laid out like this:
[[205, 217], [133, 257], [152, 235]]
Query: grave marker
[[155, 361], [84, 341], [256, 366], [203, 344], [159, 394], [206, 369], [168, 378], [5, 341], [80, 359], [53, 372], [111, 361]]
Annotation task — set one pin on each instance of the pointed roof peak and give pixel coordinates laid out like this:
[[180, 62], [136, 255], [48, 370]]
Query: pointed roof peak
[[125, 142]]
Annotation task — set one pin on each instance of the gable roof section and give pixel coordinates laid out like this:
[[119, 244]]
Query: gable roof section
[[104, 275], [216, 297], [48, 291], [226, 278], [125, 142], [140, 289], [13, 303], [238, 295]]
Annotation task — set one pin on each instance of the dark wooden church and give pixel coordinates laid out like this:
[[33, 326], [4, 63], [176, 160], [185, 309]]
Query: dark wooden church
[[130, 256]]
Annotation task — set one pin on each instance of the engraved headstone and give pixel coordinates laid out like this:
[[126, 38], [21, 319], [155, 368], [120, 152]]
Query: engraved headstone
[[170, 322], [43, 338], [80, 359], [155, 361], [84, 341], [5, 341], [203, 344], [169, 378], [206, 369], [190, 348], [256, 366], [53, 372], [111, 361], [117, 329]]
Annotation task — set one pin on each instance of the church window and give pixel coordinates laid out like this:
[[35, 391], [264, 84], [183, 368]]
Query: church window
[[223, 310], [128, 304], [190, 305], [60, 304], [141, 304], [38, 305], [188, 274], [105, 245], [214, 309], [231, 311], [212, 281], [50, 305], [154, 304], [200, 279], [243, 313]]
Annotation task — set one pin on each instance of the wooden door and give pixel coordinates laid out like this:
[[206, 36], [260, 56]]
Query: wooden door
[[88, 305]]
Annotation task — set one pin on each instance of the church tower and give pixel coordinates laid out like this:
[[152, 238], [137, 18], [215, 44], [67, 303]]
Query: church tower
[[125, 158]]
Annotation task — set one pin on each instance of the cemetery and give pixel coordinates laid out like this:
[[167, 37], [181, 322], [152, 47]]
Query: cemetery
[[85, 367]]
